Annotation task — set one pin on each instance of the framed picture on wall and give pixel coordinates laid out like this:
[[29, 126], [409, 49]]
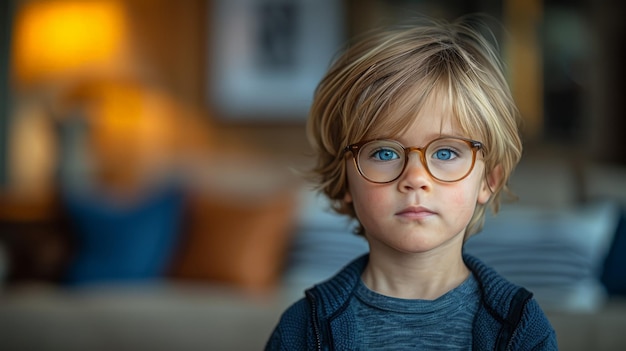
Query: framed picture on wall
[[267, 56]]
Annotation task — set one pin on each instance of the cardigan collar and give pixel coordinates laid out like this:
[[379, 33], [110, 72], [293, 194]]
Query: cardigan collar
[[336, 292]]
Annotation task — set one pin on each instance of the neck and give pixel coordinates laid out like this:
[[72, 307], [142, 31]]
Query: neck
[[425, 276]]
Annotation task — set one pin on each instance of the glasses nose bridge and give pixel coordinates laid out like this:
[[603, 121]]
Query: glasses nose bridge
[[419, 150]]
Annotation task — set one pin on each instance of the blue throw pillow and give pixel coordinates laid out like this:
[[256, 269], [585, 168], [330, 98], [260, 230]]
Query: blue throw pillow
[[614, 271], [119, 241]]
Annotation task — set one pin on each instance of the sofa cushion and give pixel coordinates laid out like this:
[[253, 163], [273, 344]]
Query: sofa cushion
[[557, 253]]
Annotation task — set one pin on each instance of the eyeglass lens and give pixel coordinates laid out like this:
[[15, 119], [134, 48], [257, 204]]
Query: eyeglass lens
[[446, 159]]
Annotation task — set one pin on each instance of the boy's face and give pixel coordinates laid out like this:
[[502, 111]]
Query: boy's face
[[416, 213]]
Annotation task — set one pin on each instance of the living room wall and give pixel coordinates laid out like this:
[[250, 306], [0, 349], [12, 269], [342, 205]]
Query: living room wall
[[573, 105]]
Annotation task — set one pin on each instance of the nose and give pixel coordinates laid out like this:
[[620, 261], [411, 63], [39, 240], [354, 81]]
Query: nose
[[415, 175]]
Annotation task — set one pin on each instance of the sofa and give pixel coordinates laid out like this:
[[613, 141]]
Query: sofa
[[226, 290]]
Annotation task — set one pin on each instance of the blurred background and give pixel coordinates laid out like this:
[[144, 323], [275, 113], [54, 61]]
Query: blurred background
[[149, 146]]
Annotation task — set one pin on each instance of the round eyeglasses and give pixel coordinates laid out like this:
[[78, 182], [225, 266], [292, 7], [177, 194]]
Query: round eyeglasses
[[446, 159]]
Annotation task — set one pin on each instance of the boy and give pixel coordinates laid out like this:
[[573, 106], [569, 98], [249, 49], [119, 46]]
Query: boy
[[415, 133]]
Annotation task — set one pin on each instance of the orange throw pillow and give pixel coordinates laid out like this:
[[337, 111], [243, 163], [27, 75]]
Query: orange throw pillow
[[237, 242]]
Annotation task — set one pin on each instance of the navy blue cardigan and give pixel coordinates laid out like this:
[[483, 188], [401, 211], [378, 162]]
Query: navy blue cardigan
[[507, 319]]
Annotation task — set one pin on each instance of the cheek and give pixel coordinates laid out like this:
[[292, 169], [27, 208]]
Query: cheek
[[466, 196], [371, 208], [463, 202], [367, 199]]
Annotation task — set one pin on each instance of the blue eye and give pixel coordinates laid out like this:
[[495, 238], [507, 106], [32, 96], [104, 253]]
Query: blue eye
[[445, 154], [385, 155]]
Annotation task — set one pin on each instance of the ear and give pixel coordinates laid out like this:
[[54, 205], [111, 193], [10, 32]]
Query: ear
[[491, 181]]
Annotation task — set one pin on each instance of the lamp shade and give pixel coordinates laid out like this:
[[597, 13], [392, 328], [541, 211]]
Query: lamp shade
[[56, 38]]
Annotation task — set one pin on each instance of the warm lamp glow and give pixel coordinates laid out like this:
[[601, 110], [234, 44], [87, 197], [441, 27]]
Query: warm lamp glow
[[57, 37]]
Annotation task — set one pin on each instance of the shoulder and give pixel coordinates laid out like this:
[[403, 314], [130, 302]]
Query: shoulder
[[514, 315], [297, 314], [292, 327], [534, 331], [333, 294], [326, 298]]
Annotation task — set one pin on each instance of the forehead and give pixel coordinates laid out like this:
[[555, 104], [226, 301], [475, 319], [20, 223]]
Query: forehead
[[436, 117], [418, 120]]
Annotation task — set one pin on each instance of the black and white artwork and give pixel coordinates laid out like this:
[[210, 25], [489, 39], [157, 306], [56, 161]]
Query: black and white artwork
[[267, 56]]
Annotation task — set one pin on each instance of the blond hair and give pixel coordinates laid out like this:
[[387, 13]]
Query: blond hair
[[378, 85]]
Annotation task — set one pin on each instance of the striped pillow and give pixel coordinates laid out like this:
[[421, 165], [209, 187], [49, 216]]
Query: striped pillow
[[557, 253]]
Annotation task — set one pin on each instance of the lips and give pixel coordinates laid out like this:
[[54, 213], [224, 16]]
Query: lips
[[415, 212]]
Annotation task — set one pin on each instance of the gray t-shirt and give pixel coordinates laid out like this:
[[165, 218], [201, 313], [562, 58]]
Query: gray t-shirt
[[387, 323]]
